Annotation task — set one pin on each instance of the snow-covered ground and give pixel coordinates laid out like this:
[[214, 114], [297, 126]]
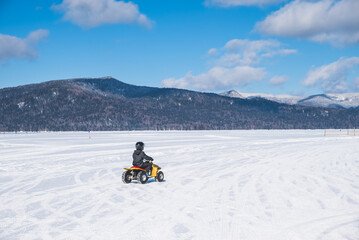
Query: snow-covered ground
[[218, 185]]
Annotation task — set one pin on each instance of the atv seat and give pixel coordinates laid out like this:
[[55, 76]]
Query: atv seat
[[138, 168]]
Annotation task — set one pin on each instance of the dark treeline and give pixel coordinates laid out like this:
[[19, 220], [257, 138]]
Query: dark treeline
[[107, 104]]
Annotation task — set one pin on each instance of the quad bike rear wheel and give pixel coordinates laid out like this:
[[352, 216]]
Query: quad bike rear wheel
[[126, 176], [160, 176], [142, 177]]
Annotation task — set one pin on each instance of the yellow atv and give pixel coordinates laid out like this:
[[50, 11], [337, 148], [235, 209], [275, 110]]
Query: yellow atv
[[139, 174]]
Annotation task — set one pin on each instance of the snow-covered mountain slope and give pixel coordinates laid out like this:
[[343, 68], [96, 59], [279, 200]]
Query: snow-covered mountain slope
[[288, 99], [248, 185], [344, 100], [331, 100]]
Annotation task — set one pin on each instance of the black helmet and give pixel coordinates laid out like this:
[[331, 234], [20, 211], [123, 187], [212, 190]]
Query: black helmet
[[140, 145]]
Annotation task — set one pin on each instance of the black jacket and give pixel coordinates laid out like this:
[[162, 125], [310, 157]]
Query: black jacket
[[138, 157]]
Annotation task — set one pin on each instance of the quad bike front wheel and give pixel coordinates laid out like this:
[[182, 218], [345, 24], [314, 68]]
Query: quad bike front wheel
[[142, 177], [160, 176], [126, 176]]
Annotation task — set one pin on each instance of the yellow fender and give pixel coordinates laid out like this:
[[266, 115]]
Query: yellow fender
[[155, 168]]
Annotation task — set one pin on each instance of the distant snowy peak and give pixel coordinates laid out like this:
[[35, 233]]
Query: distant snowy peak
[[330, 100], [233, 93], [276, 98], [344, 100]]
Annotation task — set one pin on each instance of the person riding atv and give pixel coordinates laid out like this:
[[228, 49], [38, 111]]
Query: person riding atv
[[142, 170], [139, 156]]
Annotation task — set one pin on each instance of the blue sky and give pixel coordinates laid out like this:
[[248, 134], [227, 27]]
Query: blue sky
[[297, 47]]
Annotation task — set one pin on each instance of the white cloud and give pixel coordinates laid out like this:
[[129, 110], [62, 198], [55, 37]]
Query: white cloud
[[278, 80], [14, 47], [212, 51], [237, 44], [218, 78], [333, 21], [246, 52], [281, 52], [93, 13], [332, 77], [233, 65], [232, 3]]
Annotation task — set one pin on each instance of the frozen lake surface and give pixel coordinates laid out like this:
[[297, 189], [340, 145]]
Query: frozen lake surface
[[294, 184]]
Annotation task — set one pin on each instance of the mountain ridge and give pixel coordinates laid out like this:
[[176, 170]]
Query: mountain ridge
[[329, 100], [88, 104]]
